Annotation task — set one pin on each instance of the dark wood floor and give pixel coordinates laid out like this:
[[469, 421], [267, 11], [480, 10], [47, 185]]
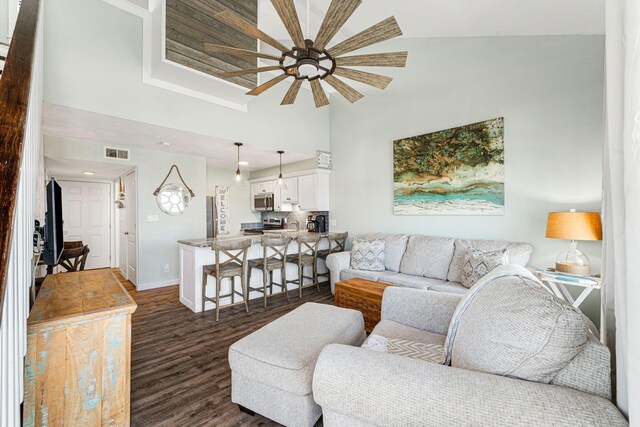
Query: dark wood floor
[[180, 374]]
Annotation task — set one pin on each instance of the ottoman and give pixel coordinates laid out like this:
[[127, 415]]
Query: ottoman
[[272, 368]]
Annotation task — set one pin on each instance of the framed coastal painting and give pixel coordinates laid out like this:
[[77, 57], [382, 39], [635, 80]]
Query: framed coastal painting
[[458, 171]]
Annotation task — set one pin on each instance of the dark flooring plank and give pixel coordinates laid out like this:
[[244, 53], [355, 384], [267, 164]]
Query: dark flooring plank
[[180, 373]]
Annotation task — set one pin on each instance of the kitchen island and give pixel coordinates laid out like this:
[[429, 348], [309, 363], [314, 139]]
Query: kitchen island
[[196, 253]]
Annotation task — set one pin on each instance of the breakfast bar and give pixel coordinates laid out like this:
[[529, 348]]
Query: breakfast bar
[[196, 253]]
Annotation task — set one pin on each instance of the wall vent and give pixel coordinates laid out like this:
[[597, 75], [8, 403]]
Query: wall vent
[[116, 153]]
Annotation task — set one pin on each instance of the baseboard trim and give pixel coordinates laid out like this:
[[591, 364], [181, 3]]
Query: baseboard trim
[[155, 285]]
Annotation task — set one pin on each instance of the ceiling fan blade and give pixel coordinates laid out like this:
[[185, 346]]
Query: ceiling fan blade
[[345, 90], [292, 93], [389, 59], [268, 85], [319, 95], [287, 11], [229, 74], [375, 80], [239, 23], [237, 52], [337, 14], [379, 32]]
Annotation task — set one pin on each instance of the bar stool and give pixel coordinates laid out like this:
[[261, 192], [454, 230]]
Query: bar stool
[[337, 243], [274, 257], [307, 255], [229, 269]]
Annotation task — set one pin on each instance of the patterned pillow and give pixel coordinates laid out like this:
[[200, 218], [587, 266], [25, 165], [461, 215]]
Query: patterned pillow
[[433, 353], [367, 255], [479, 263]]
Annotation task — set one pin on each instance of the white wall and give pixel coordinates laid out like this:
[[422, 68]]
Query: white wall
[[549, 91], [93, 62], [156, 240], [239, 197]]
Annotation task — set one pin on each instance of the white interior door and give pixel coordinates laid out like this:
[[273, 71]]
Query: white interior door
[[86, 209], [122, 241], [131, 229]]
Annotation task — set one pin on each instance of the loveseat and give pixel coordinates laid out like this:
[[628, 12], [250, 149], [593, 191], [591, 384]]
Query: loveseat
[[507, 353], [423, 262]]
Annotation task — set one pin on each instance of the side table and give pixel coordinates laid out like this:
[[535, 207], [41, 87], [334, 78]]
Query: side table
[[362, 295]]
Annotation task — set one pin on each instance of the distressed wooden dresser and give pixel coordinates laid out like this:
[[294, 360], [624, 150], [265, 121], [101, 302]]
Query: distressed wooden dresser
[[77, 369]]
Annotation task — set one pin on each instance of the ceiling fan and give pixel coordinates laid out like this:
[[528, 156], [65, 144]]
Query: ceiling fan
[[311, 60]]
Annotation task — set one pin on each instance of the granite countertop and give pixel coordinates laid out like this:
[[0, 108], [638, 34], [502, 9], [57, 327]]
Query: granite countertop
[[255, 238]]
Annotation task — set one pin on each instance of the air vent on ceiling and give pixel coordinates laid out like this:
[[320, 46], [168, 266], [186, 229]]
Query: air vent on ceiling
[[116, 153]]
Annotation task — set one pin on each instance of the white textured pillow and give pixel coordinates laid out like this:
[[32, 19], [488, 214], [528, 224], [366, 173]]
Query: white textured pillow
[[367, 255], [478, 264]]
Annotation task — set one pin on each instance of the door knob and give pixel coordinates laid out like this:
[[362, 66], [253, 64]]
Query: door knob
[[126, 233]]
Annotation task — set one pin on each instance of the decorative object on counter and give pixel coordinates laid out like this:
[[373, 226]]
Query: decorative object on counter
[[323, 160], [310, 59], [172, 198], [573, 226], [457, 171], [307, 256], [222, 209], [120, 200], [235, 265], [274, 257], [238, 180]]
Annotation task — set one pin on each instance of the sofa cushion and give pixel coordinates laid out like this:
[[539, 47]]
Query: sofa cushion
[[410, 281], [509, 325], [367, 255], [451, 287], [519, 254], [391, 329], [364, 274], [395, 246], [428, 256], [478, 263], [283, 353]]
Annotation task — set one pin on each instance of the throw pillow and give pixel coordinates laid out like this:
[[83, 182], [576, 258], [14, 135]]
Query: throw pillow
[[508, 324], [433, 353], [479, 263], [367, 255]]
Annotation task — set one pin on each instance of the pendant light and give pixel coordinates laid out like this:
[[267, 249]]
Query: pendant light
[[280, 180], [238, 180]]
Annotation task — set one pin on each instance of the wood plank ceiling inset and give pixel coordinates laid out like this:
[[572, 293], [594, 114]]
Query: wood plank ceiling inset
[[190, 24]]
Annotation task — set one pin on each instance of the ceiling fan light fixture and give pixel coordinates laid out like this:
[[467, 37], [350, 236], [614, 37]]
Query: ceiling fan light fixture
[[308, 68]]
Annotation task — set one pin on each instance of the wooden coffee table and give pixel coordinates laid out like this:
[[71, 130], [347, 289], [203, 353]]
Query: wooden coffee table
[[362, 295]]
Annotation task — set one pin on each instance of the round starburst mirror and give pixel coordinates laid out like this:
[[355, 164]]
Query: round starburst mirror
[[173, 199]]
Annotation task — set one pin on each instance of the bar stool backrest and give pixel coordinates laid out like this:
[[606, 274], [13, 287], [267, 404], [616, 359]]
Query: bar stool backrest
[[275, 248], [308, 245], [236, 250], [337, 242]]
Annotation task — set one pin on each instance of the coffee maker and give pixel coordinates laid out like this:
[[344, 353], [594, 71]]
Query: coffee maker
[[312, 224]]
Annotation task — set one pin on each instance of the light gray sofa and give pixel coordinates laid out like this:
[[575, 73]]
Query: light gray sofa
[[423, 262], [518, 357]]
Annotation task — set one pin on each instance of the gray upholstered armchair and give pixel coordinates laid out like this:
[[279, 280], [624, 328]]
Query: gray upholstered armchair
[[557, 375]]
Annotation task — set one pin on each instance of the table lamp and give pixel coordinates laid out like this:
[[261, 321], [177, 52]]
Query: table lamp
[[574, 226]]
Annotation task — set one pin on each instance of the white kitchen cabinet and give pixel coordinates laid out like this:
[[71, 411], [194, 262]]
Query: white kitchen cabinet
[[262, 187], [280, 204], [313, 192], [290, 190]]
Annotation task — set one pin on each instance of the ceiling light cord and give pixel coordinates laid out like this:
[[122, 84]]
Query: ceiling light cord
[[280, 179], [238, 174]]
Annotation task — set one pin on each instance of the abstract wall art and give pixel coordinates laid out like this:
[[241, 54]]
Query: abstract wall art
[[458, 171]]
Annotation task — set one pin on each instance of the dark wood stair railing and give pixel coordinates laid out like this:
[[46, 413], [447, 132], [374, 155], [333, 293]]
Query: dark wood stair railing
[[15, 87]]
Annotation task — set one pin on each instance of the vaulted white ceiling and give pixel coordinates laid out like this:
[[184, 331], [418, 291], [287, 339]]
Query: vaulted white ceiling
[[454, 18]]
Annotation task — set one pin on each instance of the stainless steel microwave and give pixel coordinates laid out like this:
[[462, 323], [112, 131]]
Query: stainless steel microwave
[[263, 202]]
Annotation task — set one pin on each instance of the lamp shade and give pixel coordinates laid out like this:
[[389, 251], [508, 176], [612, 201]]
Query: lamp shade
[[574, 226]]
